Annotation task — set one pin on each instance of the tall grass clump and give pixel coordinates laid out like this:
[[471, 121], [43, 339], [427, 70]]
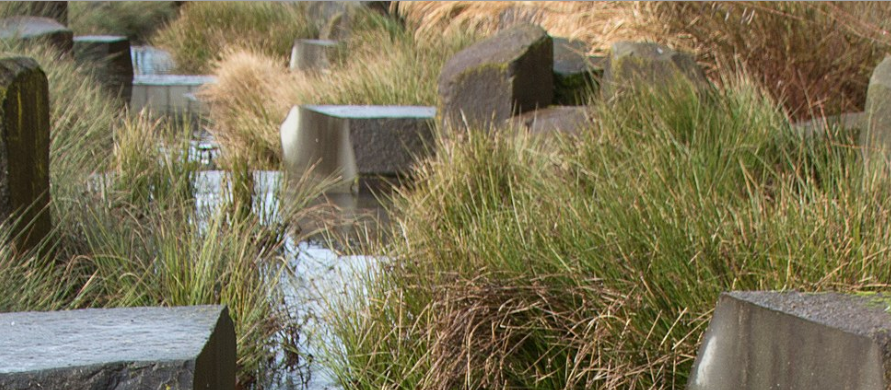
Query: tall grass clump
[[137, 20], [203, 30], [130, 230], [815, 57], [385, 66], [597, 265]]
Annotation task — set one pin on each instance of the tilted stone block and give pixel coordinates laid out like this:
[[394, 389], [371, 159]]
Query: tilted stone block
[[182, 348], [790, 341], [24, 150], [109, 58], [353, 141], [636, 64], [33, 29], [506, 74]]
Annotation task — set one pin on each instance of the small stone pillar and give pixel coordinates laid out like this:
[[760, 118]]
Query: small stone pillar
[[24, 150], [109, 56], [875, 137], [635, 64], [312, 54]]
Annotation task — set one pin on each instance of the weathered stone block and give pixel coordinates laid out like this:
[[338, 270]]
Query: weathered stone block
[[24, 150], [312, 54], [555, 119], [771, 340], [875, 137], [488, 82], [576, 75], [32, 29], [354, 141], [190, 347], [109, 57], [635, 64], [169, 94]]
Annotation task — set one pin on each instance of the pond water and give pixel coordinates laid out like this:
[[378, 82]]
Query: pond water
[[319, 268]]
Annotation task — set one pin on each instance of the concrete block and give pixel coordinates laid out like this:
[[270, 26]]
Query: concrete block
[[189, 347], [33, 28], [312, 54], [110, 59], [168, 94], [773, 340], [490, 81], [57, 10], [24, 150], [354, 141]]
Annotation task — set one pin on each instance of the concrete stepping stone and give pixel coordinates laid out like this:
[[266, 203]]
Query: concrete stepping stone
[[356, 141], [312, 54], [191, 347], [24, 150], [634, 64], [790, 340], [31, 29], [494, 79], [169, 94], [109, 57]]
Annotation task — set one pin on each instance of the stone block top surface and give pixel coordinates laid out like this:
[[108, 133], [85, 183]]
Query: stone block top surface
[[319, 42], [33, 341], [502, 48], [27, 26], [375, 112], [173, 79], [100, 38], [865, 315]]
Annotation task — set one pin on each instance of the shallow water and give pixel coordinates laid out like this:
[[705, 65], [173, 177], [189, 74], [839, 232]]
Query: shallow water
[[319, 269]]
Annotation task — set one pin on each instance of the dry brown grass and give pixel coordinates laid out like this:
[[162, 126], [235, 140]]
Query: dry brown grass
[[814, 57], [598, 23], [254, 92]]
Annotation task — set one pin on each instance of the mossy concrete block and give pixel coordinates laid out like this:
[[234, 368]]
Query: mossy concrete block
[[506, 74], [24, 150], [356, 141], [636, 64], [576, 74], [33, 29], [190, 347], [555, 119], [876, 135], [790, 340], [312, 55], [109, 57]]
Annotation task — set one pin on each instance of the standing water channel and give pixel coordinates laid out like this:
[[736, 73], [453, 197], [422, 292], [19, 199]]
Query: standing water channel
[[319, 269]]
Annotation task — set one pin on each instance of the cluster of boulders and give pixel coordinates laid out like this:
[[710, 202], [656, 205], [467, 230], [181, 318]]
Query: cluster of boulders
[[520, 72]]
